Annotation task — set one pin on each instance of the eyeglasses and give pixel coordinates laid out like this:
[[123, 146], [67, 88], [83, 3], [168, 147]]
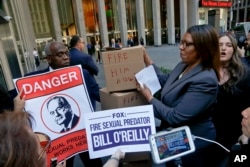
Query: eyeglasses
[[185, 44], [62, 54], [45, 142]]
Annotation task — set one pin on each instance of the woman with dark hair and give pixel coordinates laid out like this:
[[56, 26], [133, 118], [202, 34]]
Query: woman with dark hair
[[233, 96], [189, 91]]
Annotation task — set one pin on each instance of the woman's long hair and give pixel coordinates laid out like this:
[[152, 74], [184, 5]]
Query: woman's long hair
[[18, 147], [236, 68]]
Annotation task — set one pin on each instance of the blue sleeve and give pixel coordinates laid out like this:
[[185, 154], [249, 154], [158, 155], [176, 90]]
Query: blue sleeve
[[84, 60], [92, 86], [91, 66]]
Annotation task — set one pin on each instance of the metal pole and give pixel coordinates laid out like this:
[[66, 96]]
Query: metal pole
[[231, 18]]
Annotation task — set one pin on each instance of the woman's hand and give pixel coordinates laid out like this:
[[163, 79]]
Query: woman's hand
[[145, 91], [118, 154], [115, 159], [245, 123], [19, 101], [243, 139]]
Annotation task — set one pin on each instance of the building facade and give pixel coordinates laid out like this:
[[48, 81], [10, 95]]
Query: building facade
[[36, 22], [239, 12], [214, 13]]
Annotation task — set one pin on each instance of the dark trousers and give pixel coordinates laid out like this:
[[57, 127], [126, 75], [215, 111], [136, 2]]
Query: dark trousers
[[85, 160], [37, 61], [99, 56]]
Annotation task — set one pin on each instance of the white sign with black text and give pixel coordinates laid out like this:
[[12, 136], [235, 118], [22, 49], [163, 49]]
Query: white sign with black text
[[125, 128]]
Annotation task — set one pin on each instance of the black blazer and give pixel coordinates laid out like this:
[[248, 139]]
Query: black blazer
[[74, 123]]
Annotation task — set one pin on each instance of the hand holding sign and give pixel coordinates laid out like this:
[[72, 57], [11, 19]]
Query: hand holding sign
[[115, 158], [19, 101]]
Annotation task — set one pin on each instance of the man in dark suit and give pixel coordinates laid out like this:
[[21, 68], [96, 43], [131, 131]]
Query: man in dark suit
[[130, 41], [58, 57], [77, 56], [60, 109], [114, 44]]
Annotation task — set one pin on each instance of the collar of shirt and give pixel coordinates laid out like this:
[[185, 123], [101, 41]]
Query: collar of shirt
[[50, 68]]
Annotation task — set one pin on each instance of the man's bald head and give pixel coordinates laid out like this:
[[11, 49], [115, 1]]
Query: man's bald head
[[57, 54]]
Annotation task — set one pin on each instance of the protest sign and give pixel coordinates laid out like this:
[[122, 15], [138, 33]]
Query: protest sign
[[125, 128], [57, 101], [120, 67]]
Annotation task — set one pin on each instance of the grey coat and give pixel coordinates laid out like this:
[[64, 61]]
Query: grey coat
[[188, 100]]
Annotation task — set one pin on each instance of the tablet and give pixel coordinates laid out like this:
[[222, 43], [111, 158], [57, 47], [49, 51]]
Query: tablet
[[172, 144]]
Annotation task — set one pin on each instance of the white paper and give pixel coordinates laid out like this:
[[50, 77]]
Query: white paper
[[148, 77]]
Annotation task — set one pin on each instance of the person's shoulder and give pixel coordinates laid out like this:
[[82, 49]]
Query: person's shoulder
[[86, 57], [85, 72], [247, 74], [73, 51], [208, 76], [245, 61], [85, 54], [180, 65], [78, 54], [37, 72]]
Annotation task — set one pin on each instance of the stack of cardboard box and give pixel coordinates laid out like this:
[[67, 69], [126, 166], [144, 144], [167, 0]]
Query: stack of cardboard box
[[120, 67]]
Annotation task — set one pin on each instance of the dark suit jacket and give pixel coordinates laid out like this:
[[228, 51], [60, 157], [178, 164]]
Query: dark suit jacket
[[116, 45], [85, 60], [74, 122], [188, 100], [92, 86]]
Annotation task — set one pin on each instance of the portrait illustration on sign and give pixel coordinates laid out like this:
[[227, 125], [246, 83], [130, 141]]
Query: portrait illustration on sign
[[60, 113]]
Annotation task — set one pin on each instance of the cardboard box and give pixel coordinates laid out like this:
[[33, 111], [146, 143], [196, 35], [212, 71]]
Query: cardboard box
[[120, 67], [126, 99], [120, 99]]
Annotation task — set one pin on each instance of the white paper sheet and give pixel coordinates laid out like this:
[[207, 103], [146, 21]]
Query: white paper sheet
[[148, 77]]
